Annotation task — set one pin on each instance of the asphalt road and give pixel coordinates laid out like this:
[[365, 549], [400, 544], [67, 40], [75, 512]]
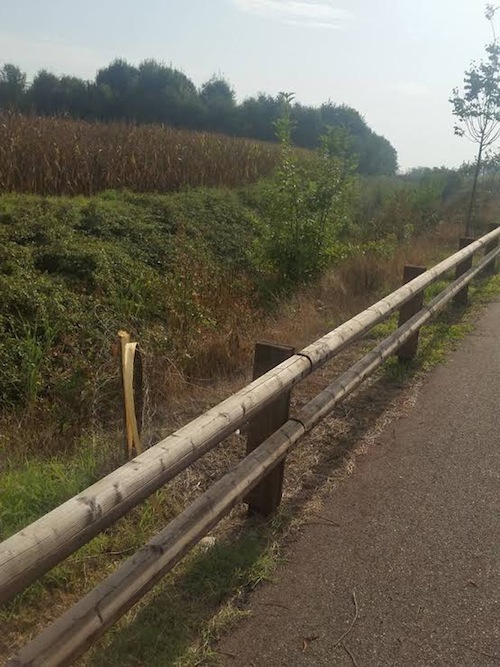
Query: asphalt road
[[413, 534]]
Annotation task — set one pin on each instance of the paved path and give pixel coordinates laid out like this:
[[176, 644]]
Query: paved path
[[418, 540]]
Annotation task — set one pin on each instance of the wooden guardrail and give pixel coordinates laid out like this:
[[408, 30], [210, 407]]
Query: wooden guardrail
[[33, 551]]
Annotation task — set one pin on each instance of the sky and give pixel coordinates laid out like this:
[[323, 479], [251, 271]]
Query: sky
[[395, 61]]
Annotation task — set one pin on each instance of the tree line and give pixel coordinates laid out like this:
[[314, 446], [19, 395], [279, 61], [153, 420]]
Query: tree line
[[155, 93]]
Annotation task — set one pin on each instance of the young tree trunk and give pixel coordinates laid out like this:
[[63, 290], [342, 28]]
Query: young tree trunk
[[468, 222]]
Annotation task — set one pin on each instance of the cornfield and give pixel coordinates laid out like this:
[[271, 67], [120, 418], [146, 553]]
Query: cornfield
[[62, 156]]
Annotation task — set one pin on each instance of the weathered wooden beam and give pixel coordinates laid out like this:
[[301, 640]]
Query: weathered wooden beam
[[408, 351], [37, 548], [74, 632], [266, 496]]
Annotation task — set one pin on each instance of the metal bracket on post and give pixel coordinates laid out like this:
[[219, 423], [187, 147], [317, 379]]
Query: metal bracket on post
[[491, 269], [266, 496], [461, 298], [408, 351]]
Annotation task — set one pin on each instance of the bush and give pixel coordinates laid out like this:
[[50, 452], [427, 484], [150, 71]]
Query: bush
[[174, 269], [307, 204]]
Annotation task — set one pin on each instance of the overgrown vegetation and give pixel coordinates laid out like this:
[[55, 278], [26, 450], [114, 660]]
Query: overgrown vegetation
[[308, 204], [75, 271], [188, 273]]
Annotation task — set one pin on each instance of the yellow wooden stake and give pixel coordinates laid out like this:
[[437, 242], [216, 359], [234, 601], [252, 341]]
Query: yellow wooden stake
[[128, 352]]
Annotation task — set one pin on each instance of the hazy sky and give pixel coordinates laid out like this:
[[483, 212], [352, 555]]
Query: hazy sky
[[395, 61]]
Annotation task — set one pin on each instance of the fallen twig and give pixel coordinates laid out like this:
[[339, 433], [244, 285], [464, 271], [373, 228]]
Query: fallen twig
[[353, 620], [320, 523], [274, 604], [350, 655], [106, 553], [229, 655], [324, 518]]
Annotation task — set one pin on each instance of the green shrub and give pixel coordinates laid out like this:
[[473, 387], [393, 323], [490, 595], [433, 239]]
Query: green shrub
[[307, 204]]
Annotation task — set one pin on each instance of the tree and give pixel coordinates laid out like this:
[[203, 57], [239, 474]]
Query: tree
[[477, 109], [375, 155], [121, 79], [219, 104], [12, 86], [257, 115], [45, 94], [75, 97], [307, 126], [308, 201]]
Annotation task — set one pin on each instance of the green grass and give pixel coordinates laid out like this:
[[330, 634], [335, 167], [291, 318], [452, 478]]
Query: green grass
[[35, 486], [201, 599]]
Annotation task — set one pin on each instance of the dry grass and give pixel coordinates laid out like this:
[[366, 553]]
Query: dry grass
[[222, 363], [61, 156]]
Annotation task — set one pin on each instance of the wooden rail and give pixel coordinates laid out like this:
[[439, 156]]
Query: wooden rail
[[31, 552]]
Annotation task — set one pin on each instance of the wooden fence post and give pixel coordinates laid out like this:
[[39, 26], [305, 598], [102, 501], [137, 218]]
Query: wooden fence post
[[131, 374], [408, 351], [462, 297], [266, 496], [491, 269]]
